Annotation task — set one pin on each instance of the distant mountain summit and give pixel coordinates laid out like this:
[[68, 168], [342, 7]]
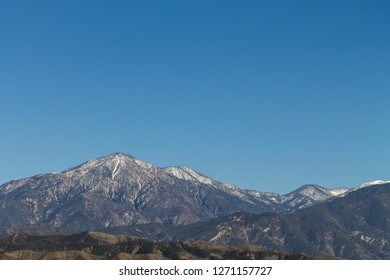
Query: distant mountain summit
[[308, 195], [119, 189]]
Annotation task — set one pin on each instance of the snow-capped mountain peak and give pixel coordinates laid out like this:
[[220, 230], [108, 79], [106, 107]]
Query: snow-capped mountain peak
[[318, 193], [112, 162], [309, 195]]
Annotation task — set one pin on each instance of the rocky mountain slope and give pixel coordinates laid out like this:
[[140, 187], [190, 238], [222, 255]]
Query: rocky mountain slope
[[120, 190], [355, 226]]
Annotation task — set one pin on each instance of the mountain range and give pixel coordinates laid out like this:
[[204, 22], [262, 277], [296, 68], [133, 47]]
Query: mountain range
[[121, 194], [355, 226], [120, 190]]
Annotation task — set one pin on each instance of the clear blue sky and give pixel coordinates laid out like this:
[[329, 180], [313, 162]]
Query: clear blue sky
[[266, 95]]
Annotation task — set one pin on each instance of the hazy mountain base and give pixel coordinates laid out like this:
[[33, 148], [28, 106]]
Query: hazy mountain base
[[102, 246]]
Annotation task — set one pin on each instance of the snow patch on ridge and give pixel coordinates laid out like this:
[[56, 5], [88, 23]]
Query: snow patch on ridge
[[373, 183], [143, 164], [115, 171], [338, 191], [186, 173]]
